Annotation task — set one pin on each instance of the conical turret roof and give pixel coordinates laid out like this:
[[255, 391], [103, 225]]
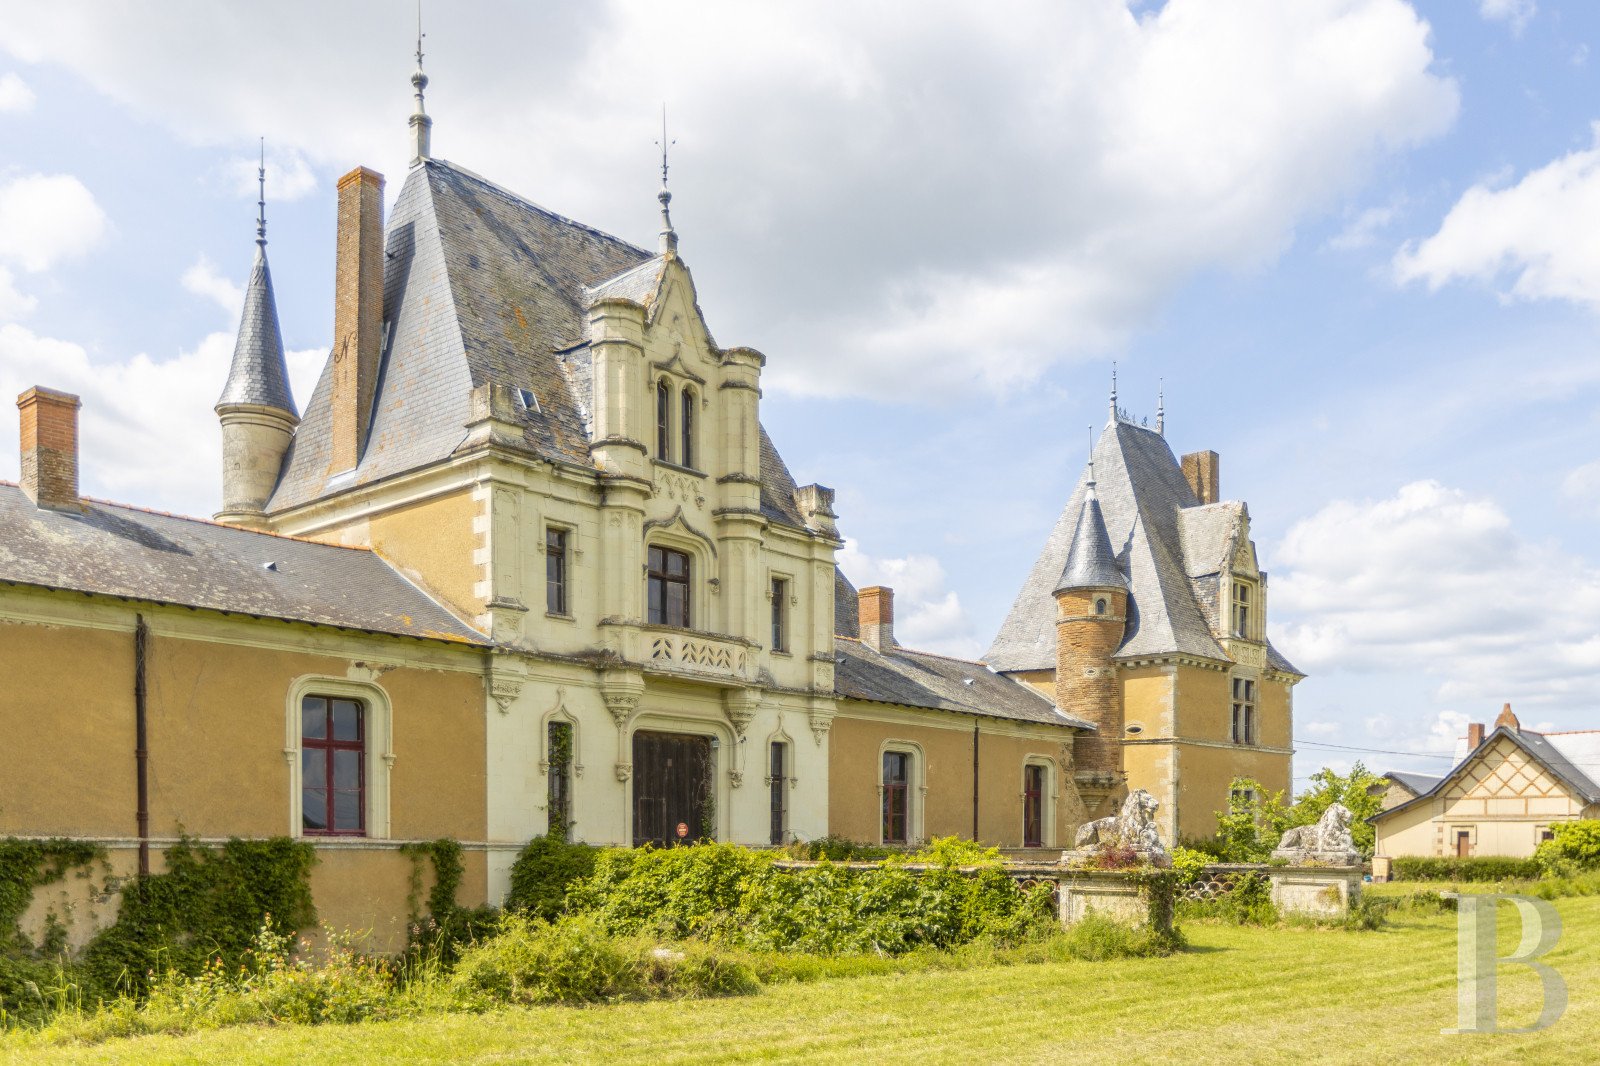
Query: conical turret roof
[[259, 376], [1091, 564]]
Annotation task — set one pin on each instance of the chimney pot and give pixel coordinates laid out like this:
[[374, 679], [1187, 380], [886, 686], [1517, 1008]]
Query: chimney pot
[[1202, 470], [876, 612], [1474, 735], [357, 313], [50, 448]]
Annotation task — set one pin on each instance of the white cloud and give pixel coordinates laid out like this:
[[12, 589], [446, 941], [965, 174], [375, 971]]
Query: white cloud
[[928, 615], [45, 218], [15, 94], [289, 176], [202, 279], [1524, 233], [1437, 582], [874, 227], [1363, 229], [1515, 13], [13, 304], [1582, 486], [1323, 729]]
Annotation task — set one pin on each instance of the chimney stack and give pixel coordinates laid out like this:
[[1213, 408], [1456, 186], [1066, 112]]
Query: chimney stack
[[50, 448], [1474, 736], [876, 606], [1202, 471], [357, 313], [1507, 720]]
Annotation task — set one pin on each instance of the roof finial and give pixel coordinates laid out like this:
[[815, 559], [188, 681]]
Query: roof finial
[[1091, 460], [1161, 408], [261, 201], [421, 124], [669, 236], [1113, 392]]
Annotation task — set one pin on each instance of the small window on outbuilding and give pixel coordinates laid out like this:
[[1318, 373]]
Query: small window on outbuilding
[[1099, 605]]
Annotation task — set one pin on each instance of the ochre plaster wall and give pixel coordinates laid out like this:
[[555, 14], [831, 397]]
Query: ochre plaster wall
[[855, 804]]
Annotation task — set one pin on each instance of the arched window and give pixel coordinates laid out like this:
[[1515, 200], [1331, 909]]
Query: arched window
[[1100, 605], [686, 429], [663, 421]]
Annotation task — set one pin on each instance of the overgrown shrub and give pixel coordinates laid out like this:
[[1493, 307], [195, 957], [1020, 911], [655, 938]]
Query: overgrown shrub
[[1248, 902], [1472, 869], [1573, 847], [575, 960], [731, 895], [211, 903], [838, 849], [546, 869], [1187, 864]]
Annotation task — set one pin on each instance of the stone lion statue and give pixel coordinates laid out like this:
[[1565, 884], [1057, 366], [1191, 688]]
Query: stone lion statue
[[1328, 841], [1134, 827]]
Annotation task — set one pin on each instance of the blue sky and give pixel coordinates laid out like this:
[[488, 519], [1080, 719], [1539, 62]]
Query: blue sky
[[1356, 242]]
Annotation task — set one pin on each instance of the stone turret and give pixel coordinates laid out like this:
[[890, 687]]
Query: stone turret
[[256, 407], [1091, 617]]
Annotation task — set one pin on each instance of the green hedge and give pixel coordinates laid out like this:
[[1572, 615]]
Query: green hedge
[[734, 896], [1475, 868], [546, 869]]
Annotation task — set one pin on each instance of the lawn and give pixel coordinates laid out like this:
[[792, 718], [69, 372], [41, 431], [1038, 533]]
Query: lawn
[[1238, 995]]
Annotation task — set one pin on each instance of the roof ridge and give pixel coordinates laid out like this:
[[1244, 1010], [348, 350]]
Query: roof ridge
[[1560, 732], [523, 201], [216, 524]]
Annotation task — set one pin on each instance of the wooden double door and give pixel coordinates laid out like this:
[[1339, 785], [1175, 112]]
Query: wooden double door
[[671, 788]]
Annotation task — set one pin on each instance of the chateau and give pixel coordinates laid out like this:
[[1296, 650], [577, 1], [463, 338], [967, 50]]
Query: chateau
[[527, 562]]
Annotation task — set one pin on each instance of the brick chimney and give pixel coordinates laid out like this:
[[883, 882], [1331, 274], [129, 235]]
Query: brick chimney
[[1507, 720], [357, 313], [50, 448], [876, 607], [1474, 735], [1202, 471]]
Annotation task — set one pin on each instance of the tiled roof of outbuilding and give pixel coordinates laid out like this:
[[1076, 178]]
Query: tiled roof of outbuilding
[[919, 679], [112, 550], [482, 285]]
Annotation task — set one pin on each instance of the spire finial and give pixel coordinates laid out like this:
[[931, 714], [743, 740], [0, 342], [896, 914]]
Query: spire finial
[[261, 198], [421, 124], [1091, 460], [1113, 391], [669, 236], [1161, 407]]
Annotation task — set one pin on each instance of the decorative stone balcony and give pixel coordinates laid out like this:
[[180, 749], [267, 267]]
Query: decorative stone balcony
[[700, 655]]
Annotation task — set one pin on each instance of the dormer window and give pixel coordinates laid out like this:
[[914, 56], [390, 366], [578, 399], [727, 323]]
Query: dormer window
[[1241, 609]]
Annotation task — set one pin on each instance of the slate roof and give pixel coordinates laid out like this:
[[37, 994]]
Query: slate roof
[[113, 550], [1143, 497], [1572, 758], [481, 285], [1416, 784], [1090, 561], [846, 606], [259, 375], [920, 679]]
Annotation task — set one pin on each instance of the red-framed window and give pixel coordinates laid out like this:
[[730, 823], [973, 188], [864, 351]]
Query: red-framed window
[[333, 767], [1033, 806], [896, 797], [667, 577]]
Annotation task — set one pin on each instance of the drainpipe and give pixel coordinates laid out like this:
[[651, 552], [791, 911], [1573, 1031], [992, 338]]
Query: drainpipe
[[974, 781], [141, 752]]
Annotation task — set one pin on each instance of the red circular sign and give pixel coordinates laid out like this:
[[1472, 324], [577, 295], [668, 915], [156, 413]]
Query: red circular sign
[[683, 830]]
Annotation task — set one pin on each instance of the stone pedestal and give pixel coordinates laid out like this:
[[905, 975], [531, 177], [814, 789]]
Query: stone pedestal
[[1108, 892], [1316, 891]]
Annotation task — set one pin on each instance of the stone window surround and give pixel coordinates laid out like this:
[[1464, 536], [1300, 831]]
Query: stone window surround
[[1047, 828], [701, 586], [380, 754], [916, 787], [560, 713]]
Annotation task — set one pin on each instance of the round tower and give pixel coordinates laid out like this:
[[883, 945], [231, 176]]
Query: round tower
[[256, 407], [1091, 620]]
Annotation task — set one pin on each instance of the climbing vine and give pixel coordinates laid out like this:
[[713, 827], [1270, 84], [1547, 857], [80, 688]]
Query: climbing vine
[[448, 926], [211, 903], [28, 865], [560, 780]]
